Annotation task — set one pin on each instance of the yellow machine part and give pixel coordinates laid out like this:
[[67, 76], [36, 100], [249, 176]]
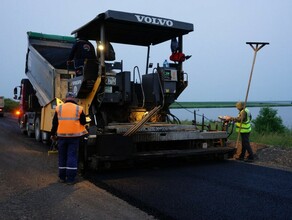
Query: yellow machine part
[[47, 115]]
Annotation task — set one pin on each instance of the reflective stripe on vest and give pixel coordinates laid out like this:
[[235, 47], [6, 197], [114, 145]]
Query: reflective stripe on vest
[[246, 125], [68, 118]]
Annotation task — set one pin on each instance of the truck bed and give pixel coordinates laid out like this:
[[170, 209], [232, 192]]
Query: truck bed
[[46, 66]]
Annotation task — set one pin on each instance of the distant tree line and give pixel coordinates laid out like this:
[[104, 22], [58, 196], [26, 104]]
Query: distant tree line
[[268, 122], [10, 105]]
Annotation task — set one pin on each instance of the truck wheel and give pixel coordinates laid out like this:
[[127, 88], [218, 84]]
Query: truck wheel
[[22, 130], [45, 137], [29, 132], [22, 125], [37, 129], [94, 163]]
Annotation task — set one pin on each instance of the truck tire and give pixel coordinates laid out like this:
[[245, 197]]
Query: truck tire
[[37, 129], [94, 163], [45, 137], [22, 130], [22, 125], [28, 131]]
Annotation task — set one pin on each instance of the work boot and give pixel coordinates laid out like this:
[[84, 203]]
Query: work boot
[[71, 182], [61, 181]]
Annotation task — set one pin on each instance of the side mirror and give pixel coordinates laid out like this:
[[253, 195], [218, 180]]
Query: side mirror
[[15, 92]]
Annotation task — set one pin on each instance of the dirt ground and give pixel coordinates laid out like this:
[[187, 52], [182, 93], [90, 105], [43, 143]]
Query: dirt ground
[[271, 156]]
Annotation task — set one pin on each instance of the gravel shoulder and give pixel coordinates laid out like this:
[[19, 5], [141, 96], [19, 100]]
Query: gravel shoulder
[[29, 187], [275, 157], [29, 191], [272, 156]]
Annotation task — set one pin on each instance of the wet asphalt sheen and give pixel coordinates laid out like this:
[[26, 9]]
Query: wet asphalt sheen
[[205, 190]]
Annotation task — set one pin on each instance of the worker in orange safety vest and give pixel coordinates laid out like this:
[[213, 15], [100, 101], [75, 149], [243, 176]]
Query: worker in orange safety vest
[[68, 126]]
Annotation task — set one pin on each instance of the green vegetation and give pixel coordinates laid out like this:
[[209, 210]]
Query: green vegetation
[[10, 105], [268, 122], [268, 129], [186, 122], [273, 139]]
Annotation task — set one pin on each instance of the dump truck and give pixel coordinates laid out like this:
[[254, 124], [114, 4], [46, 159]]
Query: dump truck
[[129, 112], [1, 106]]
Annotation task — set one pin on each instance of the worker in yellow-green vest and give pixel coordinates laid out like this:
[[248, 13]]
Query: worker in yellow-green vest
[[243, 125]]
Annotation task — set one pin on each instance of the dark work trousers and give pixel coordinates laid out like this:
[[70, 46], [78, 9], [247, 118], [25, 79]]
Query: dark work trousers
[[68, 158], [245, 146]]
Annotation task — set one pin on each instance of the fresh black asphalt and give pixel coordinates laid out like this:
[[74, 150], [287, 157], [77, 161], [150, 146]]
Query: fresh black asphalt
[[204, 190]]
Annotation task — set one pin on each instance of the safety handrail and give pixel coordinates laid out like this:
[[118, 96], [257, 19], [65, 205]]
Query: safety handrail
[[143, 94]]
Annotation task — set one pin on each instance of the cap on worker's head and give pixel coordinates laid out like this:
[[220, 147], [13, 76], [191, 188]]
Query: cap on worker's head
[[70, 96], [239, 105]]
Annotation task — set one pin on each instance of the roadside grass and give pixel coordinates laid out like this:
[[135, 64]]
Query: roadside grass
[[272, 139]]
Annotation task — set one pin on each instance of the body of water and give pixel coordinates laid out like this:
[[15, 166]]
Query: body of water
[[212, 113]]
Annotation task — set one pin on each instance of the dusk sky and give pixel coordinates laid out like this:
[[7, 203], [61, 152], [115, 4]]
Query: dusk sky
[[221, 60]]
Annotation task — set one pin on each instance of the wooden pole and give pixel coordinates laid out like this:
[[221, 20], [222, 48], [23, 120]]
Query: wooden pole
[[256, 46]]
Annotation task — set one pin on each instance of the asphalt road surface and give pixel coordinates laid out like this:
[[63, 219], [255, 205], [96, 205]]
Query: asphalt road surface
[[205, 190], [29, 189], [165, 190]]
